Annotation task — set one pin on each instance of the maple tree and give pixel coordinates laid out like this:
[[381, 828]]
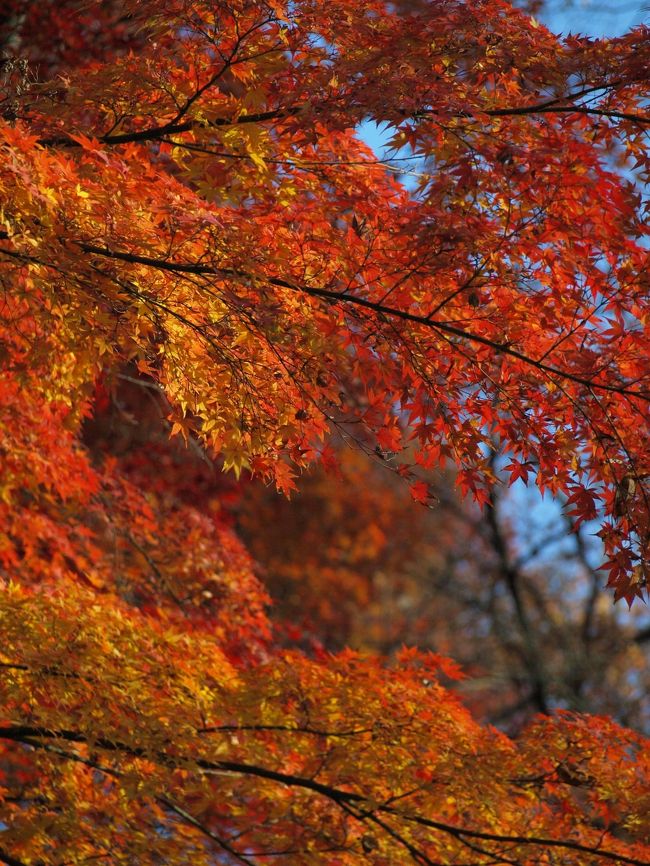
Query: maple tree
[[204, 268]]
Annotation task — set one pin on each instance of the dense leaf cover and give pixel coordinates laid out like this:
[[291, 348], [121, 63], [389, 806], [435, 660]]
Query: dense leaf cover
[[203, 266]]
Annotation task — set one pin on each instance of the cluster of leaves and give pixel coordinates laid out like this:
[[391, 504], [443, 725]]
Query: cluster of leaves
[[203, 206], [203, 267], [154, 746]]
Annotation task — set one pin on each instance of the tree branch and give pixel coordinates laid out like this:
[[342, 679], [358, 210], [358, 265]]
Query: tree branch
[[25, 733], [512, 580], [155, 133], [382, 309]]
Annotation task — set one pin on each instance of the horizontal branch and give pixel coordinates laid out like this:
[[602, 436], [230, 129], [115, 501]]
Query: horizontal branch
[[377, 307], [287, 729], [570, 109], [24, 733], [155, 133], [20, 733]]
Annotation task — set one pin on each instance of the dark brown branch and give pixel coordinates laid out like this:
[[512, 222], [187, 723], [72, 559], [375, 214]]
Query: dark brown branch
[[26, 733], [316, 732], [345, 298], [512, 580], [193, 822], [569, 109], [155, 133]]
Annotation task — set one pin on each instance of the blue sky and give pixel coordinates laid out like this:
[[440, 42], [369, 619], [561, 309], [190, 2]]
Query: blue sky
[[594, 17]]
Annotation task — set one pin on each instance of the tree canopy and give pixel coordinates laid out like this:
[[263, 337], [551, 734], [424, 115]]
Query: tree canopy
[[205, 268]]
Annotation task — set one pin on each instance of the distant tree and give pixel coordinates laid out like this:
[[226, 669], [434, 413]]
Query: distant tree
[[352, 560]]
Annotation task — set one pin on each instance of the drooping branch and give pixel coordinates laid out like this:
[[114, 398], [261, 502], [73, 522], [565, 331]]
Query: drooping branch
[[174, 127], [365, 303], [156, 133], [26, 734]]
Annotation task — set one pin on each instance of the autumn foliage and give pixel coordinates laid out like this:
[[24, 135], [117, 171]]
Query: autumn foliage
[[209, 282]]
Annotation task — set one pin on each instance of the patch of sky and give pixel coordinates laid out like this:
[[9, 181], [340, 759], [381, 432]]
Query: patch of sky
[[405, 165], [593, 17]]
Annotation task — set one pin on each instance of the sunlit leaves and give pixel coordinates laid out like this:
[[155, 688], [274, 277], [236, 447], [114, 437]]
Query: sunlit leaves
[[286, 753], [199, 256]]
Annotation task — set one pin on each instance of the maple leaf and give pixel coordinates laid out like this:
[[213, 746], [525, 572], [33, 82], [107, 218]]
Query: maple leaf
[[420, 492]]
